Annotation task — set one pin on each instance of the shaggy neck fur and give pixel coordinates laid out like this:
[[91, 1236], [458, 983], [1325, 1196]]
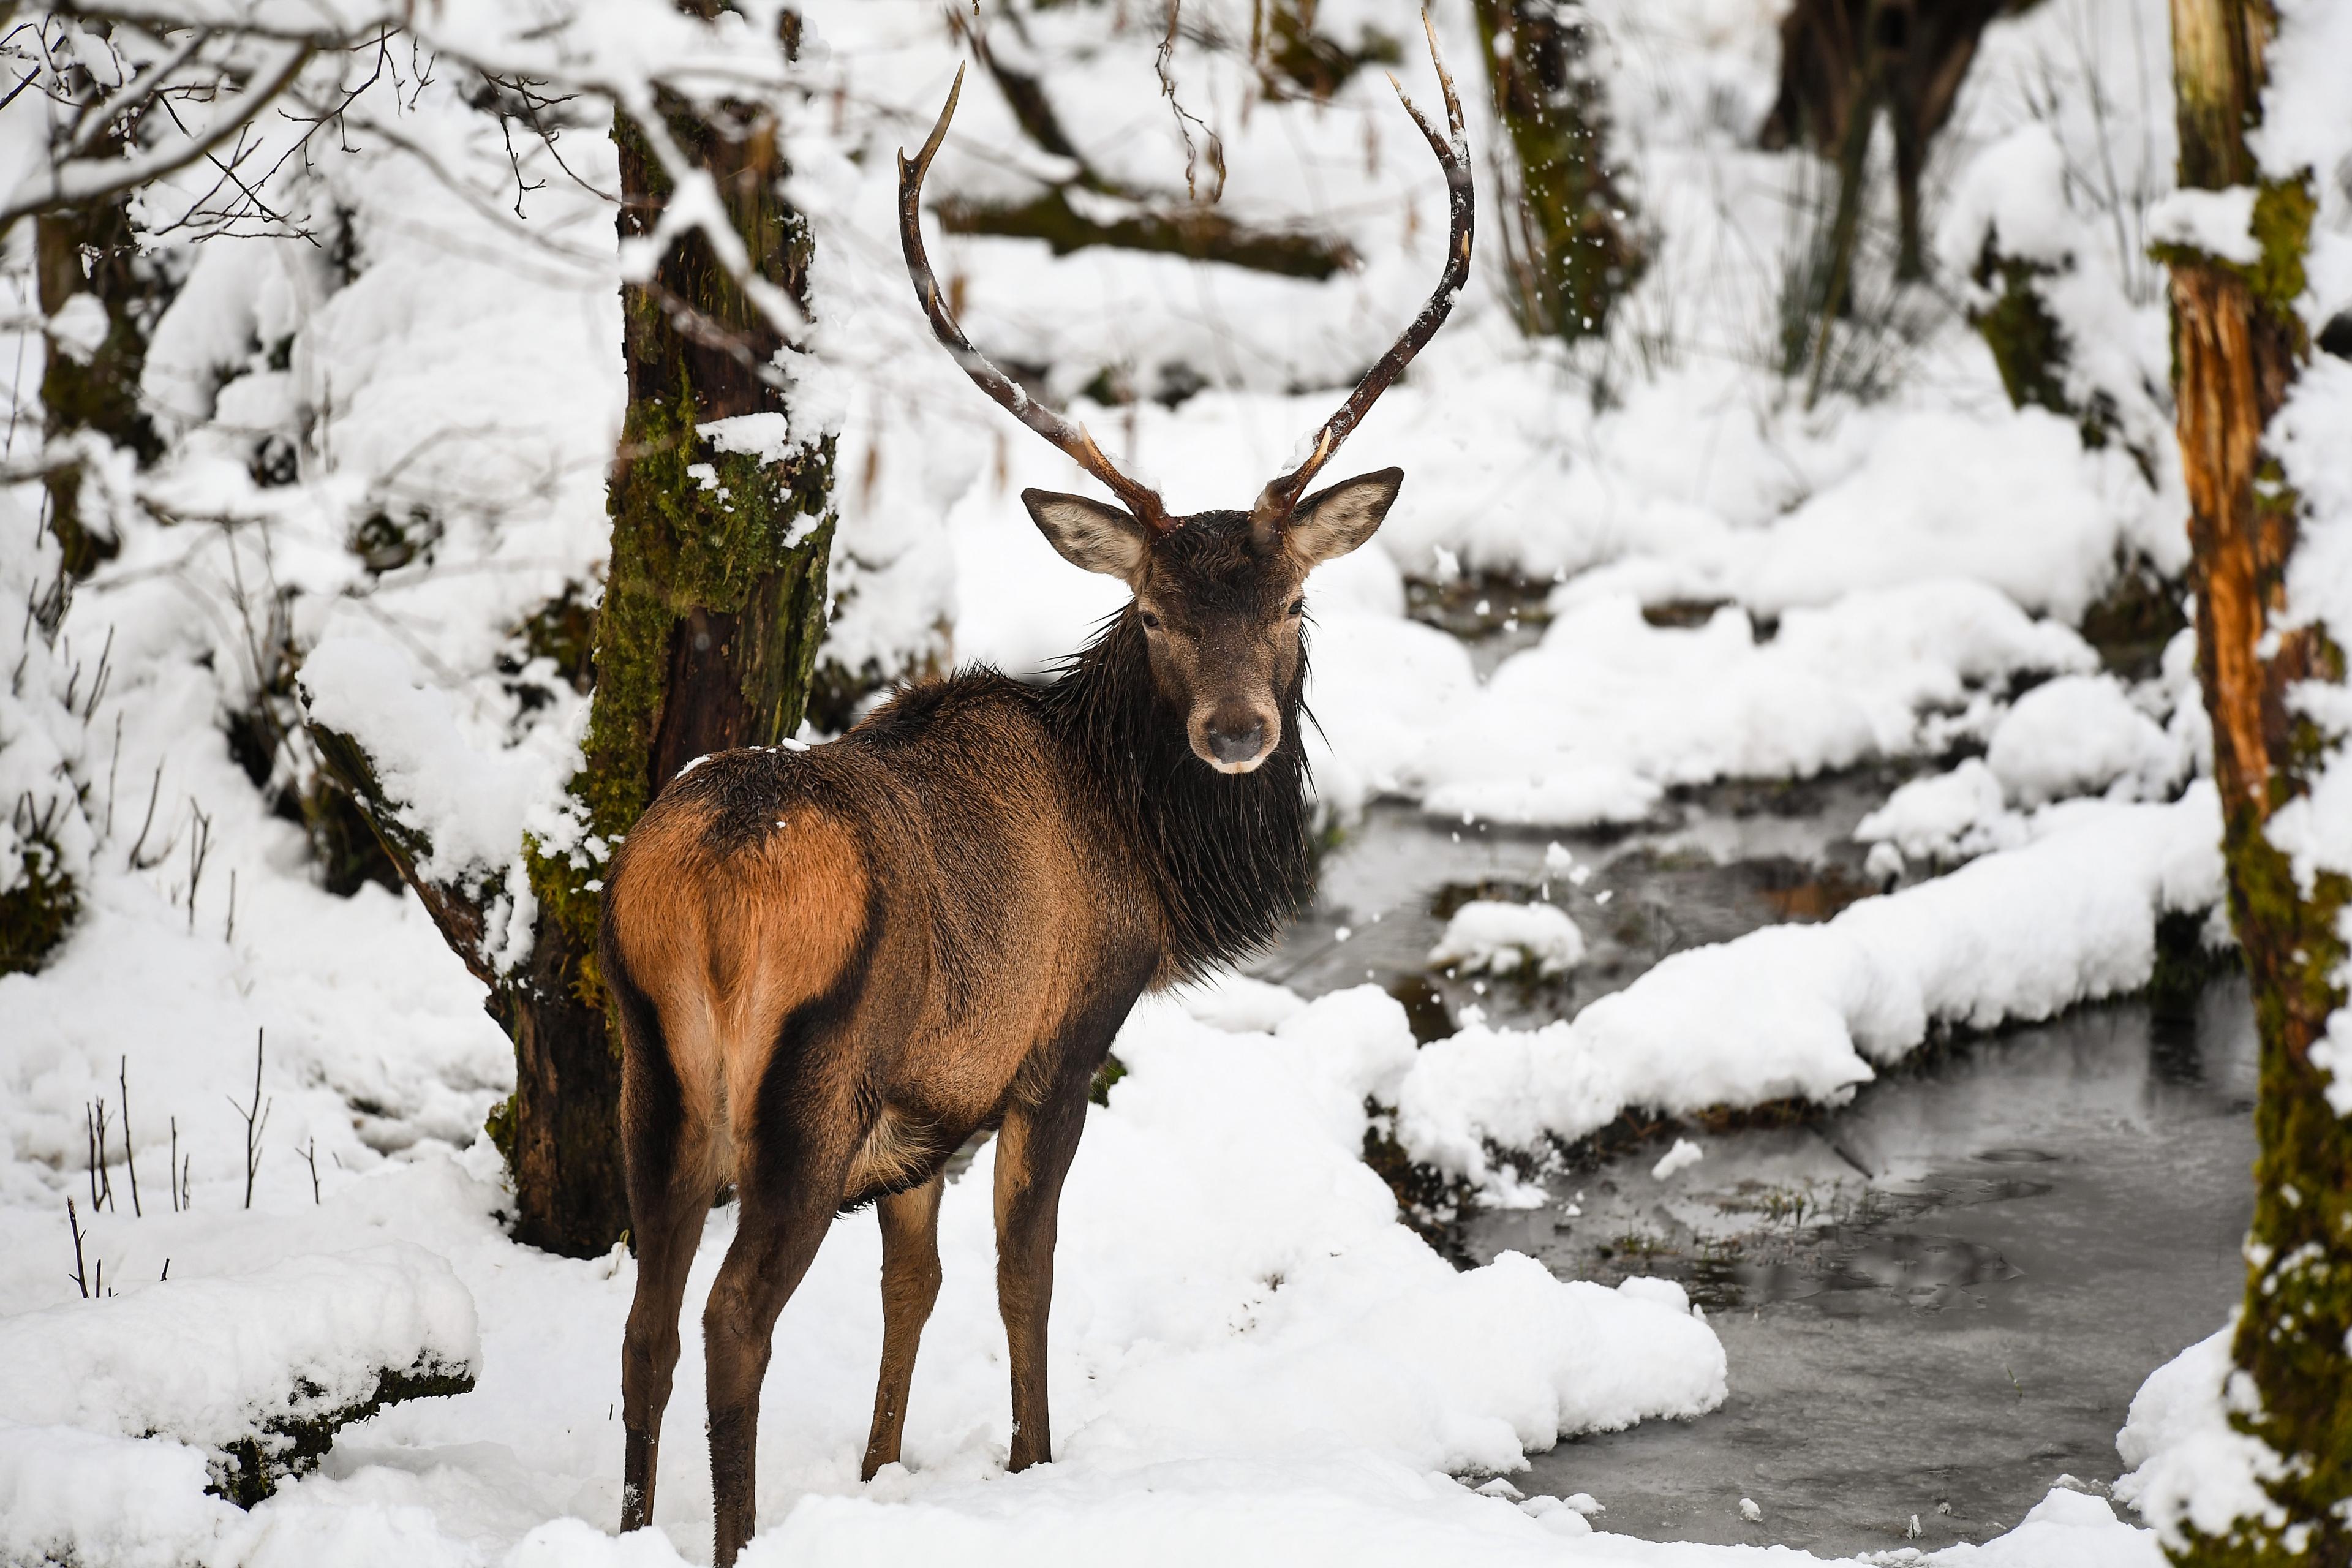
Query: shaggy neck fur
[[1229, 853]]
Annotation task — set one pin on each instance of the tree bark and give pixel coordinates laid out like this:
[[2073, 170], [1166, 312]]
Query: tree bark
[[91, 251], [713, 610], [2238, 346], [1567, 239]]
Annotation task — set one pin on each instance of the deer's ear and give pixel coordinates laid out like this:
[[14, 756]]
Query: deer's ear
[[1331, 523], [1089, 534]]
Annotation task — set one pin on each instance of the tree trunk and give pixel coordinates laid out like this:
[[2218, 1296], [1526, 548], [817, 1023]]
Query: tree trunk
[[713, 610], [1567, 240], [2238, 346], [91, 251]]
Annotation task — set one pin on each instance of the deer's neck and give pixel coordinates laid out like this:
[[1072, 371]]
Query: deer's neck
[[1229, 854]]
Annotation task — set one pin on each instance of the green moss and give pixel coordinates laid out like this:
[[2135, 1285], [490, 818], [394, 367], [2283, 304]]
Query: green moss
[[2281, 230], [1105, 1077], [500, 1126], [2282, 227], [2293, 1334], [2029, 348], [692, 530], [1570, 243]]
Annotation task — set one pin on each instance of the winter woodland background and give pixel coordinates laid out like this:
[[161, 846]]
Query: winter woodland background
[[1774, 513]]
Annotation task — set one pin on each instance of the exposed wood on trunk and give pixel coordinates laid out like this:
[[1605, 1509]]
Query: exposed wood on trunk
[[2238, 344]]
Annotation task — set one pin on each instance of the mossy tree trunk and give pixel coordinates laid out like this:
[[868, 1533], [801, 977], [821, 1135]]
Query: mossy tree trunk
[[2238, 346], [713, 610], [714, 607], [1567, 239]]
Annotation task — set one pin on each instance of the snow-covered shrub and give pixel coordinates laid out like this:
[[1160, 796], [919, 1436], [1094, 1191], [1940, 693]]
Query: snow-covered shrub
[[45, 836], [259, 1369]]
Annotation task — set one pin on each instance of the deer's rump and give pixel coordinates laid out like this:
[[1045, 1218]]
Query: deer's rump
[[859, 953]]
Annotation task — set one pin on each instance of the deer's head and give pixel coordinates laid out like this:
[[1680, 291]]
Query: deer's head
[[1218, 593]]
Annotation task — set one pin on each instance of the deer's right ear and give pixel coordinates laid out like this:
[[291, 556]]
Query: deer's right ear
[[1090, 535]]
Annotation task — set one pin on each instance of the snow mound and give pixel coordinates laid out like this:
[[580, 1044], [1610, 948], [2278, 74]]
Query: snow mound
[[1805, 1011], [2185, 1462], [1947, 816], [214, 1363], [1608, 711], [1496, 938], [2080, 734]]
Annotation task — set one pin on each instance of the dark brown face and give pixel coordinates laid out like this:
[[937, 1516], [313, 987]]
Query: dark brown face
[[1221, 608]]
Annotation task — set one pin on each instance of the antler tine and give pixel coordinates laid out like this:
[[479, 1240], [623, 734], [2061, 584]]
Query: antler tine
[[1071, 438], [1274, 502]]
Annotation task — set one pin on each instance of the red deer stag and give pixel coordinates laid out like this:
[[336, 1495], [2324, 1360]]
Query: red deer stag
[[835, 964]]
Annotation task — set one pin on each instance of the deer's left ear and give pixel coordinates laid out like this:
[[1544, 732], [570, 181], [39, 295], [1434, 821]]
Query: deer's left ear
[[1331, 523]]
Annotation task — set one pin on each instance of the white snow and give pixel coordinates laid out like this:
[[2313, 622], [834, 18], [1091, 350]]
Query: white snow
[[2218, 223], [1253, 1358], [2081, 735], [1489, 937], [2184, 1462], [210, 1361], [1681, 1157], [1608, 711]]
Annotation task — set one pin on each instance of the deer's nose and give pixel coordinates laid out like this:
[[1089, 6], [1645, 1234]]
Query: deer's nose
[[1236, 740]]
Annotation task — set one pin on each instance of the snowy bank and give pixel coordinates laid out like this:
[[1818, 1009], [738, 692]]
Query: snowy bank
[[1807, 1010], [259, 1368], [1608, 711]]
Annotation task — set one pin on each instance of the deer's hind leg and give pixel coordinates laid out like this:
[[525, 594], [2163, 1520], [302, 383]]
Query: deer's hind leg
[[667, 1144], [797, 1154], [910, 1284]]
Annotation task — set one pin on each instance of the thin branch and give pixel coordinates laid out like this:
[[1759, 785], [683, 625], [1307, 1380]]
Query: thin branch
[[79, 182]]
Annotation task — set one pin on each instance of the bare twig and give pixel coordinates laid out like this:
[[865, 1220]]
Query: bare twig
[[154, 791], [172, 1171], [129, 1159], [200, 846], [101, 1182], [311, 1156], [256, 1119], [78, 182], [1185, 118], [73, 1223]]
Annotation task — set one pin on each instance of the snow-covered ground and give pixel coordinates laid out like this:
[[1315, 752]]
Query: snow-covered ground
[[1253, 1357]]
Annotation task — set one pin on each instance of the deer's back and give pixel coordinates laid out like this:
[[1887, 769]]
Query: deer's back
[[937, 881]]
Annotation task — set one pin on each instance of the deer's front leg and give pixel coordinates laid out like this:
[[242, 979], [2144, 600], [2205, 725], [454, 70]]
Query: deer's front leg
[[1033, 1155]]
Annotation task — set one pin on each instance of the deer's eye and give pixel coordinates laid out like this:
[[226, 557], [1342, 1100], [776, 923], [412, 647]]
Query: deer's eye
[[1150, 622], [1298, 608]]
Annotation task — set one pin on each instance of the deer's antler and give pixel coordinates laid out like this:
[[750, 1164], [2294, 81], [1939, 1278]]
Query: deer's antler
[[1073, 439], [1274, 502]]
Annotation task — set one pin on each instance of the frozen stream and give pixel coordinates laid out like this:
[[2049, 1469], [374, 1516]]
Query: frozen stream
[[1936, 1300]]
